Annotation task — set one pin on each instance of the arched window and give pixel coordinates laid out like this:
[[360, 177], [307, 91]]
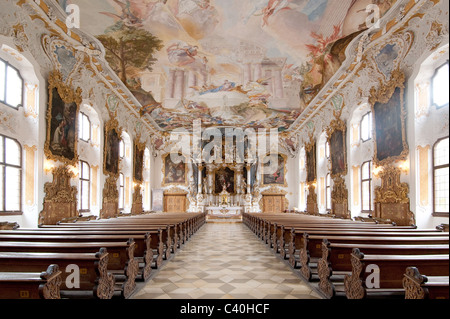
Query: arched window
[[439, 87], [366, 187], [327, 149], [328, 192], [121, 191], [84, 130], [440, 177], [10, 176], [85, 187], [11, 85], [122, 149], [366, 127]]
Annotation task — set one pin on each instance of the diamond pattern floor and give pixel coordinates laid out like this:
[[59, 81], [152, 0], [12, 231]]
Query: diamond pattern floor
[[225, 261]]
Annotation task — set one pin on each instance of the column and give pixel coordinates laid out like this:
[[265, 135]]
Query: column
[[200, 179], [179, 85], [258, 72], [249, 178], [192, 81], [170, 84], [278, 79], [268, 75], [247, 73]]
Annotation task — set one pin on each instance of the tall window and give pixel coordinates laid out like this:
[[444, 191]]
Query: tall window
[[366, 187], [327, 149], [439, 87], [11, 85], [10, 176], [84, 128], [440, 177], [366, 127], [85, 187], [122, 149], [121, 191], [328, 192]]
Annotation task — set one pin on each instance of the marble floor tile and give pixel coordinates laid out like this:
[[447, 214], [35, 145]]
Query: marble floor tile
[[225, 261]]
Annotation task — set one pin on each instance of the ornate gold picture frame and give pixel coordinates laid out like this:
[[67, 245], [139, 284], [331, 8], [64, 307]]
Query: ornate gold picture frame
[[111, 158], [138, 162], [311, 169], [337, 139], [226, 173], [174, 174], [62, 121], [279, 178], [389, 117]]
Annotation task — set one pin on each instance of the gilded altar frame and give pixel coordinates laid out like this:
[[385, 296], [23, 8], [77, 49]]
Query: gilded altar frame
[[66, 95], [138, 159], [235, 178], [336, 126], [384, 95], [111, 126]]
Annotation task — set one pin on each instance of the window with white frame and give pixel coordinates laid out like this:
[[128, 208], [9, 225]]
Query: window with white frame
[[10, 176], [439, 87], [441, 177], [121, 191], [122, 149], [84, 130], [11, 85], [85, 187], [366, 127], [328, 192], [366, 187]]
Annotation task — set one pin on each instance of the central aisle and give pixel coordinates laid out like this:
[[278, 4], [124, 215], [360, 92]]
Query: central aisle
[[225, 261]]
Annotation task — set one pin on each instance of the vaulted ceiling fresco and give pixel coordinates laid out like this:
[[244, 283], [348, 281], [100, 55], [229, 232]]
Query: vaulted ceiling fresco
[[252, 63]]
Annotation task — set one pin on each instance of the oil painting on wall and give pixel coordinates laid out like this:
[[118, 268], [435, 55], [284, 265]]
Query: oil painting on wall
[[174, 174]]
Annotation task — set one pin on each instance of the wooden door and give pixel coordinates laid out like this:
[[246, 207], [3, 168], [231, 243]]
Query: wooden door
[[175, 203]]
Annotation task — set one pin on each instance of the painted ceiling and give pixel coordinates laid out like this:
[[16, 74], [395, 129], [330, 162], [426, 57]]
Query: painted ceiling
[[252, 63]]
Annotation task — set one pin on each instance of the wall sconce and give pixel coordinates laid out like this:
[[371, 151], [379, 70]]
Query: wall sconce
[[75, 171], [377, 170], [48, 166], [404, 166]]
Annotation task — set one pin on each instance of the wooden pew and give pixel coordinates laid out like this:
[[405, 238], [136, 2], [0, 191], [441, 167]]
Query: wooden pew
[[336, 261], [159, 238], [391, 270], [143, 243], [31, 285], [8, 226], [291, 240], [312, 246], [122, 263], [418, 286], [95, 281]]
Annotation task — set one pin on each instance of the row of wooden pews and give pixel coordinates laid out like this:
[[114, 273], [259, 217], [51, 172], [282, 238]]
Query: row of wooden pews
[[359, 259], [109, 256]]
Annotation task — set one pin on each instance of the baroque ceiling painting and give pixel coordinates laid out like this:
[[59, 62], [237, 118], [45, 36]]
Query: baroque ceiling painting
[[252, 63]]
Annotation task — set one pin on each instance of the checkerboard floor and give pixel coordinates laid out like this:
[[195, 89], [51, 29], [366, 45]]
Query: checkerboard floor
[[225, 261]]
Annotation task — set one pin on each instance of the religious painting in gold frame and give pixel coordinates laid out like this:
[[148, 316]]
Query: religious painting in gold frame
[[111, 158], [279, 177], [227, 177], [389, 117], [174, 174], [337, 139], [138, 162], [311, 170], [62, 121]]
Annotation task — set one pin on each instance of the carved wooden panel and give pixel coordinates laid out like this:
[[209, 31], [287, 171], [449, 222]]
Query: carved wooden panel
[[273, 204], [60, 201], [174, 203]]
